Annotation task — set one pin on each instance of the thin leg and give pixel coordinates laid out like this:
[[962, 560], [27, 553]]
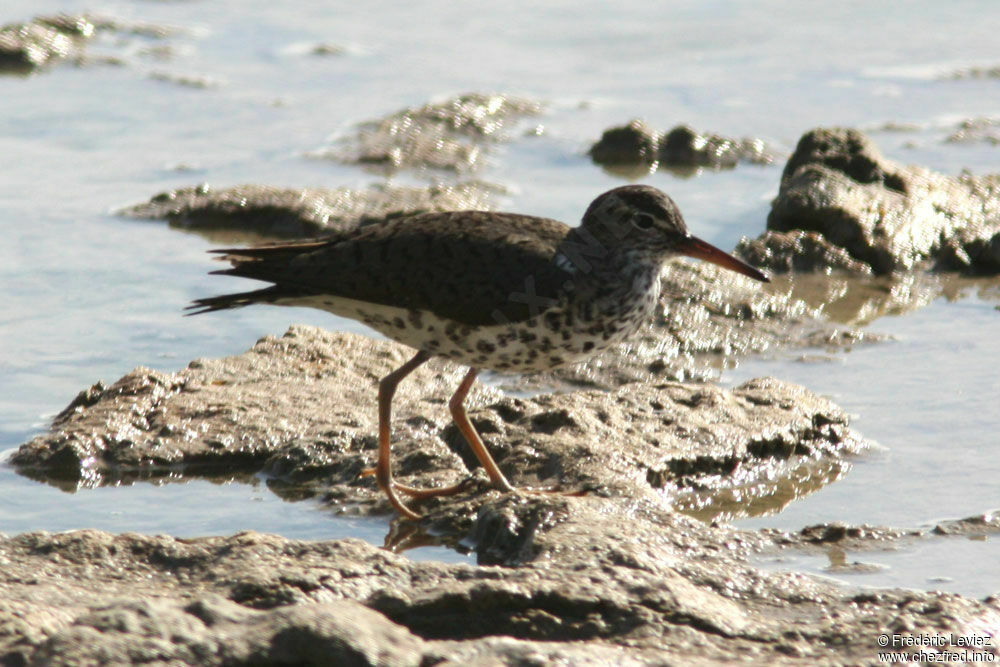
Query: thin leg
[[383, 468], [457, 407]]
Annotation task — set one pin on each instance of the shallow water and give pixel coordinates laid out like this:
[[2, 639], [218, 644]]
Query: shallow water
[[928, 398], [89, 296], [240, 503]]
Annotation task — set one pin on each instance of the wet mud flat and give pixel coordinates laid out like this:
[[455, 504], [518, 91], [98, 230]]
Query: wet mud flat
[[615, 574]]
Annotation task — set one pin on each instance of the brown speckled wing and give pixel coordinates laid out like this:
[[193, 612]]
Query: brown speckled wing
[[474, 267]]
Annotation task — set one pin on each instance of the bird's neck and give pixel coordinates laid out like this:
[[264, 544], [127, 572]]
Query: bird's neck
[[608, 277], [583, 254]]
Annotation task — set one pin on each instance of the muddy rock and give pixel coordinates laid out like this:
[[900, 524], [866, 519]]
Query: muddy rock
[[692, 447], [842, 543], [612, 574], [843, 206], [650, 440], [974, 526], [265, 212], [635, 143], [606, 583], [197, 81], [327, 49], [682, 149], [868, 538], [453, 135], [219, 414], [974, 130], [44, 39], [863, 537], [214, 630], [801, 251], [976, 73]]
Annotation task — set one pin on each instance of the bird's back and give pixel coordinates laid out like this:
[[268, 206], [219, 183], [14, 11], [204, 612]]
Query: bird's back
[[473, 267]]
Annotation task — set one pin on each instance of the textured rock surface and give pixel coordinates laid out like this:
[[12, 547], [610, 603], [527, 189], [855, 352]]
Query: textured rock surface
[[682, 149], [843, 206], [641, 440], [453, 135], [44, 40], [603, 584], [261, 211], [614, 575]]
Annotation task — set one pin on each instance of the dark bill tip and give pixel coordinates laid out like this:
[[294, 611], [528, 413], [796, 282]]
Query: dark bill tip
[[695, 247]]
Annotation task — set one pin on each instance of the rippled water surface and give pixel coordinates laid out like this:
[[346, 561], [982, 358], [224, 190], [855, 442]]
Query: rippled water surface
[[88, 296]]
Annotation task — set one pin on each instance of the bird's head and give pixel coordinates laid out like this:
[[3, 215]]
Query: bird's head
[[645, 222]]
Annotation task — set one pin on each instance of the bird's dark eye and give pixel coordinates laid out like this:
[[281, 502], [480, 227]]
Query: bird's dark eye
[[643, 221]]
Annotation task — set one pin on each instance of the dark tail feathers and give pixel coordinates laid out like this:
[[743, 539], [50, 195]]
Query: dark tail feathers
[[238, 300]]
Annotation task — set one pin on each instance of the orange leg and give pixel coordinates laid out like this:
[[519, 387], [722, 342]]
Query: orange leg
[[457, 407], [383, 467]]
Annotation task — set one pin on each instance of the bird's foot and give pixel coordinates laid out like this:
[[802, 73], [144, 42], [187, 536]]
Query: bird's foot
[[414, 492], [464, 485], [506, 487], [551, 490]]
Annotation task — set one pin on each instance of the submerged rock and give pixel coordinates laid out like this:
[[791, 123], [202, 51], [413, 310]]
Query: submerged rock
[[27, 47], [971, 130], [637, 145], [975, 73], [261, 211], [972, 527], [452, 135], [843, 206], [684, 147]]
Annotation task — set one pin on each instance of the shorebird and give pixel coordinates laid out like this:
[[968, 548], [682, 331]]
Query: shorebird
[[499, 291]]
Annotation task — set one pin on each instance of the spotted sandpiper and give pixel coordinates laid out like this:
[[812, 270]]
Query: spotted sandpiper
[[500, 291]]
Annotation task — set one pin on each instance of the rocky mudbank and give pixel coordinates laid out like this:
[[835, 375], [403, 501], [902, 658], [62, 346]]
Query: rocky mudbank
[[617, 570], [615, 574]]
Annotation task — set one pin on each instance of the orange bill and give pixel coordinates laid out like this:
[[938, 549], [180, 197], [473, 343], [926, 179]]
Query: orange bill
[[692, 246]]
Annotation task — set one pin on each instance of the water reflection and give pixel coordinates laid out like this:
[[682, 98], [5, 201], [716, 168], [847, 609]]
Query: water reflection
[[858, 301], [763, 493]]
